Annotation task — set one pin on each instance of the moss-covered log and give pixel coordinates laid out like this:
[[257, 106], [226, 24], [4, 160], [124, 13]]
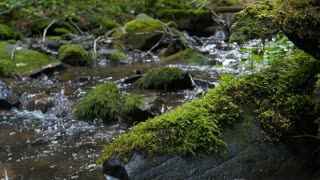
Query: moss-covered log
[[279, 99]]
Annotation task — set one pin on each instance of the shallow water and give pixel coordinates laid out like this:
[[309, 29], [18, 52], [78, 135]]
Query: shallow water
[[44, 141]]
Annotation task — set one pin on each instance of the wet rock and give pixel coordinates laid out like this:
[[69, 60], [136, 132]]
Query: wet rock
[[246, 158], [46, 70], [7, 98], [42, 102]]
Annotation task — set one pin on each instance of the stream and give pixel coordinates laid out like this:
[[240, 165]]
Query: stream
[[42, 140]]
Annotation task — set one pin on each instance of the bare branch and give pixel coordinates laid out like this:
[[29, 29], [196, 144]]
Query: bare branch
[[77, 27], [46, 29]]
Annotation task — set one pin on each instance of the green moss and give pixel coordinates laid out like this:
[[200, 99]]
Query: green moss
[[188, 56], [163, 78], [254, 22], [101, 102], [107, 102], [73, 54], [141, 33], [107, 24], [298, 17], [118, 56], [61, 31], [143, 25], [131, 103], [24, 60], [279, 100], [7, 33], [7, 67]]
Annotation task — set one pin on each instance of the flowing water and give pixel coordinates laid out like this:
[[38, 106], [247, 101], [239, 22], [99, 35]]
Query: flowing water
[[42, 139]]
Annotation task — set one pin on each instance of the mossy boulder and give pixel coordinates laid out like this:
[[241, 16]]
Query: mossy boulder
[[192, 21], [73, 54], [108, 103], [165, 78], [254, 22], [142, 33], [278, 99], [118, 56], [24, 61], [7, 33], [188, 57]]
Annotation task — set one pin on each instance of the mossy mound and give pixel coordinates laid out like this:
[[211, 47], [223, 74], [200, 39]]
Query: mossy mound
[[192, 21], [73, 54], [108, 103], [7, 33], [278, 99], [24, 61], [188, 57], [107, 24], [118, 56], [165, 78], [142, 33], [254, 22]]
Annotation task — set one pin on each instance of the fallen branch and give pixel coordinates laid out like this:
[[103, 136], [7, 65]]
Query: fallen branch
[[100, 37], [74, 24], [12, 52], [46, 29]]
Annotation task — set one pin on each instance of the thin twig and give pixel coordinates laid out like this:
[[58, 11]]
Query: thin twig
[[46, 29], [77, 27], [12, 52]]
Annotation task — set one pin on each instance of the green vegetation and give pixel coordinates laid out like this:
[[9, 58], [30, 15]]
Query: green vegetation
[[143, 25], [7, 33], [73, 54], [108, 103], [118, 56], [164, 78], [142, 33], [253, 22], [279, 98], [7, 67], [188, 56], [23, 61]]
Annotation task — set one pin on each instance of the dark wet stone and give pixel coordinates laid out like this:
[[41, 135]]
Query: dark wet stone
[[47, 70], [247, 158], [7, 98]]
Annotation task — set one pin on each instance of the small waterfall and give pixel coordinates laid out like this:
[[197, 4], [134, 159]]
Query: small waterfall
[[220, 35]]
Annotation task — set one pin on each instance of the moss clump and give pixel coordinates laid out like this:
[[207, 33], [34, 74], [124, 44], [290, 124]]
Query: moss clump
[[143, 25], [118, 56], [253, 22], [24, 60], [108, 24], [282, 95], [164, 78], [73, 54], [279, 99], [148, 28], [188, 57], [108, 103], [7, 67], [7, 33]]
